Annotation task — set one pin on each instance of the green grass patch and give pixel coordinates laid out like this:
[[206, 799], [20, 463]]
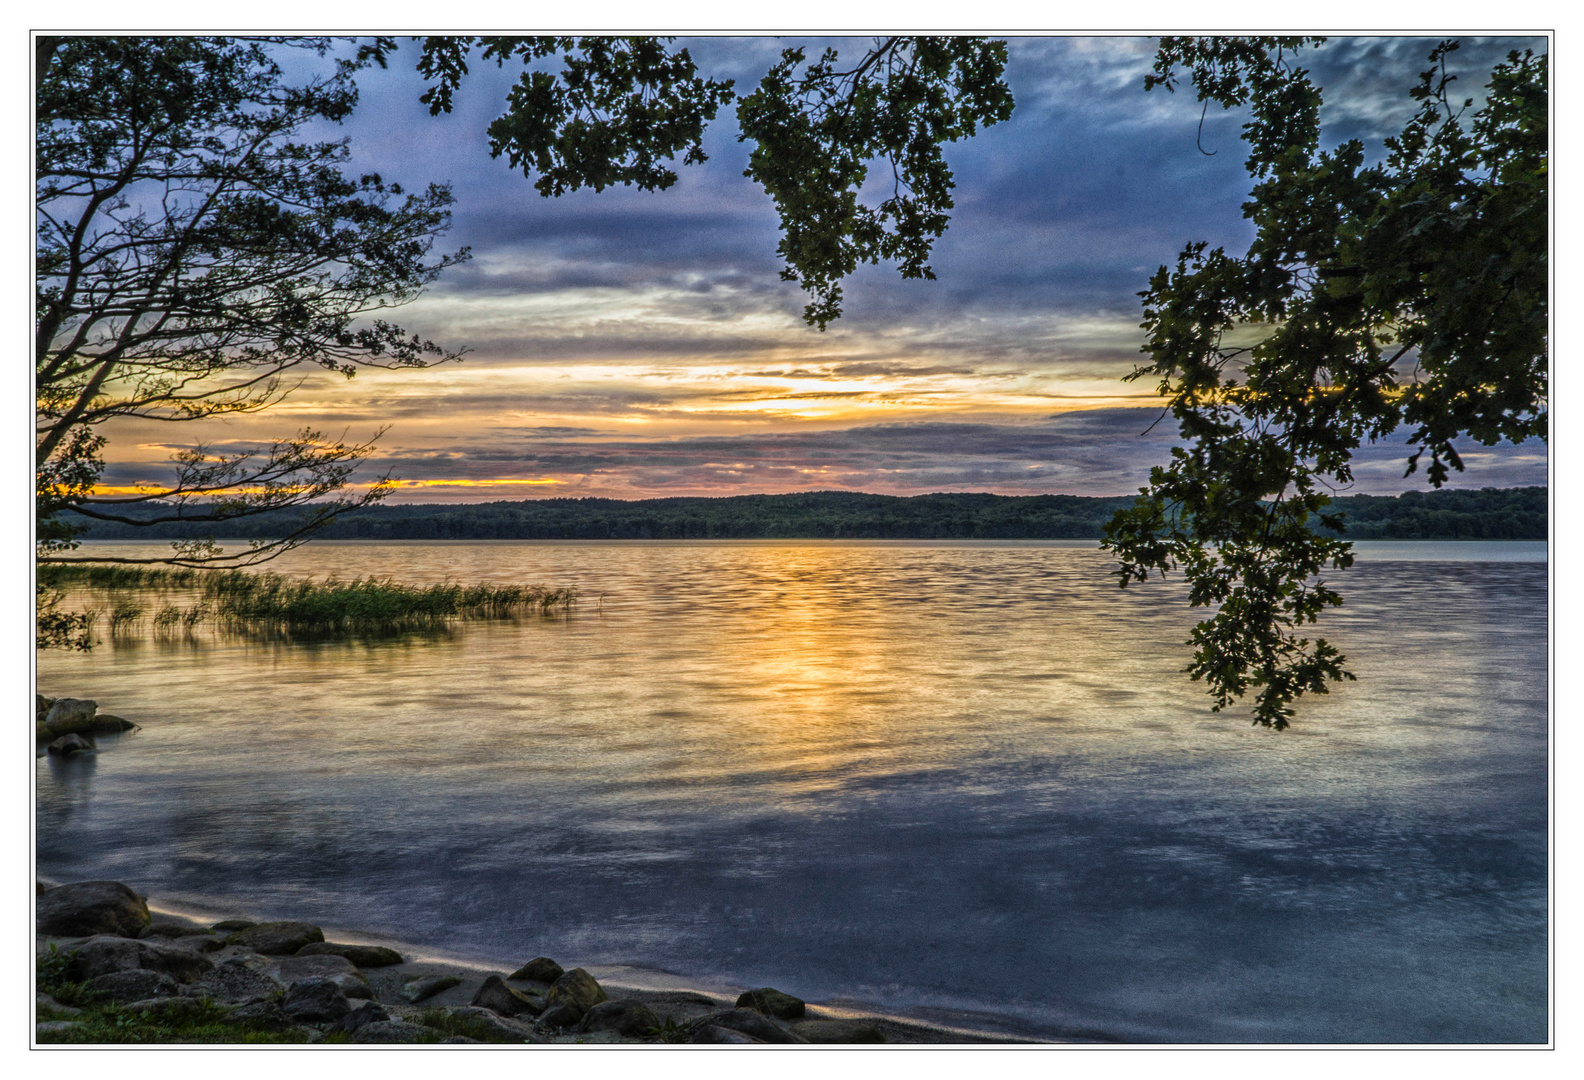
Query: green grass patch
[[446, 1023], [203, 1022], [98, 1021]]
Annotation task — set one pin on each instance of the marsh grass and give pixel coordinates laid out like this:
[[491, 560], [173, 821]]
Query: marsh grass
[[124, 614], [119, 577], [367, 604], [275, 605]]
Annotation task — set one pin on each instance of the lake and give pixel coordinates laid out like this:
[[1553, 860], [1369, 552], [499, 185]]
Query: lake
[[960, 781]]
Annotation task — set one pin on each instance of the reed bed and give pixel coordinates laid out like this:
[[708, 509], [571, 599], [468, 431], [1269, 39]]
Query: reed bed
[[124, 614], [367, 604], [119, 577], [271, 602]]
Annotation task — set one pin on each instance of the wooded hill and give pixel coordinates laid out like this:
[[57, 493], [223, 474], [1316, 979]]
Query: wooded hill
[[1485, 514]]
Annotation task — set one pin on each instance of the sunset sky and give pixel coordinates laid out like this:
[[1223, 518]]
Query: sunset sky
[[636, 345]]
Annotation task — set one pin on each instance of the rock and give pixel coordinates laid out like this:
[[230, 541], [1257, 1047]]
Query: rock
[[838, 1031], [749, 1023], [315, 1001], [105, 724], [291, 969], [92, 907], [276, 938], [234, 979], [231, 926], [712, 1033], [457, 1039], [55, 1027], [496, 995], [500, 1025], [103, 954], [364, 956], [629, 1018], [576, 989], [366, 1012], [392, 1031], [772, 1003], [539, 969], [265, 1015], [134, 985], [69, 715], [338, 969], [427, 986], [561, 1016], [44, 704], [46, 1002], [173, 930], [71, 745], [44, 734]]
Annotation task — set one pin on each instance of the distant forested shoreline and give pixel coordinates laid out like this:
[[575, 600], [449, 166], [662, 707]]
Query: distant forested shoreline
[[1484, 514]]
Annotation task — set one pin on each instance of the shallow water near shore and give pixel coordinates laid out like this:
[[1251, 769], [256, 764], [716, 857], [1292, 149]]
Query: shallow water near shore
[[940, 779]]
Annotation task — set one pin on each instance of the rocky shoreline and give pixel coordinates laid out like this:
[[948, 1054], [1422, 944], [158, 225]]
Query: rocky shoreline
[[122, 965], [100, 941]]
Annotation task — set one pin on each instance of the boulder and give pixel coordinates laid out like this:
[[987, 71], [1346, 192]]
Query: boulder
[[392, 1031], [366, 1012], [772, 1002], [44, 704], [102, 954], [174, 930], [628, 1018], [68, 715], [265, 1015], [577, 990], [92, 907], [364, 956], [134, 985], [713, 1033], [56, 1028], [496, 995], [276, 938], [45, 1002], [515, 1030], [43, 733], [290, 969], [234, 979], [427, 986], [105, 724], [315, 1001], [561, 1016], [231, 926], [71, 745], [749, 1023], [539, 969], [838, 1031], [338, 969]]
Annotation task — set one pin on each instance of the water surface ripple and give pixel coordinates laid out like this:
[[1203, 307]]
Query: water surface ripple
[[939, 778]]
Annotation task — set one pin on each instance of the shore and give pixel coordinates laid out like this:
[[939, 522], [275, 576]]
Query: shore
[[685, 1010]]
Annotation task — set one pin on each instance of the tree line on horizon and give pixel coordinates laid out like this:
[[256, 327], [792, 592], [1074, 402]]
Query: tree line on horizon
[[1447, 514]]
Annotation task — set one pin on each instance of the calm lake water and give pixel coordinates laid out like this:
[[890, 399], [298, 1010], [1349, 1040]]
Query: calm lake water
[[961, 781]]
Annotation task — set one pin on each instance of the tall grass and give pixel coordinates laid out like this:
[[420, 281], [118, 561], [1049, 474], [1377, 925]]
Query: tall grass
[[243, 600], [366, 604], [119, 577], [124, 614]]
